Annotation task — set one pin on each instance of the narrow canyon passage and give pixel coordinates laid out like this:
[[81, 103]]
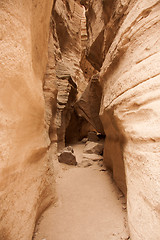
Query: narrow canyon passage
[[80, 76], [89, 205]]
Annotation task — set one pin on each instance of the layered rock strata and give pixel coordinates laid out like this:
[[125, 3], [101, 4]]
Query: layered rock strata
[[69, 38], [68, 17], [67, 92], [36, 38], [123, 45]]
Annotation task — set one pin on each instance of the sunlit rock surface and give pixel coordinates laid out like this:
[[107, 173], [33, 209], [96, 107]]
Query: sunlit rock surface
[[129, 72]]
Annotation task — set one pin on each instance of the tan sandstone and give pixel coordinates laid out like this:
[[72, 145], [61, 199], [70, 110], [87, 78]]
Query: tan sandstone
[[46, 57], [25, 172], [130, 105]]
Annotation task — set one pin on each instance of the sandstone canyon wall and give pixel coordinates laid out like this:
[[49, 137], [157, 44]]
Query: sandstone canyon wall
[[45, 69], [25, 168], [41, 53], [124, 46], [68, 23]]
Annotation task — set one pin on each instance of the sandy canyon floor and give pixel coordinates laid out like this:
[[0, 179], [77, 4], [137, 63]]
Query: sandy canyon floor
[[89, 205]]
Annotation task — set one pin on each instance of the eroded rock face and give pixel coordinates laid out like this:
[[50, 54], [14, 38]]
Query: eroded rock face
[[66, 97], [123, 46], [25, 174], [129, 72], [68, 16], [88, 105], [104, 19], [69, 35], [50, 90]]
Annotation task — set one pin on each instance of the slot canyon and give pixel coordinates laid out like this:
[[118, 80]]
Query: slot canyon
[[80, 120]]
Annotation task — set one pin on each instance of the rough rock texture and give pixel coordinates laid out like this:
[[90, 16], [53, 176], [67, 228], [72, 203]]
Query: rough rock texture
[[25, 169], [68, 16], [129, 63], [88, 105], [103, 22], [67, 156], [95, 30], [41, 54], [69, 36], [66, 97], [50, 91], [123, 45], [93, 148]]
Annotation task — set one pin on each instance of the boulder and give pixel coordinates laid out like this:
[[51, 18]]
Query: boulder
[[67, 156], [93, 148]]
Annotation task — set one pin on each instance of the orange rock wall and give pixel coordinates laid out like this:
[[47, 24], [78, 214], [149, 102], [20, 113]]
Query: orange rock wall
[[129, 74], [35, 36], [25, 173]]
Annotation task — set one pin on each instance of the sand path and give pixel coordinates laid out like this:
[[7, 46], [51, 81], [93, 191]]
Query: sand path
[[89, 206]]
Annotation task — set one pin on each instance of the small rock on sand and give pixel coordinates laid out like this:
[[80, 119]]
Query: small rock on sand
[[93, 148], [67, 156]]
